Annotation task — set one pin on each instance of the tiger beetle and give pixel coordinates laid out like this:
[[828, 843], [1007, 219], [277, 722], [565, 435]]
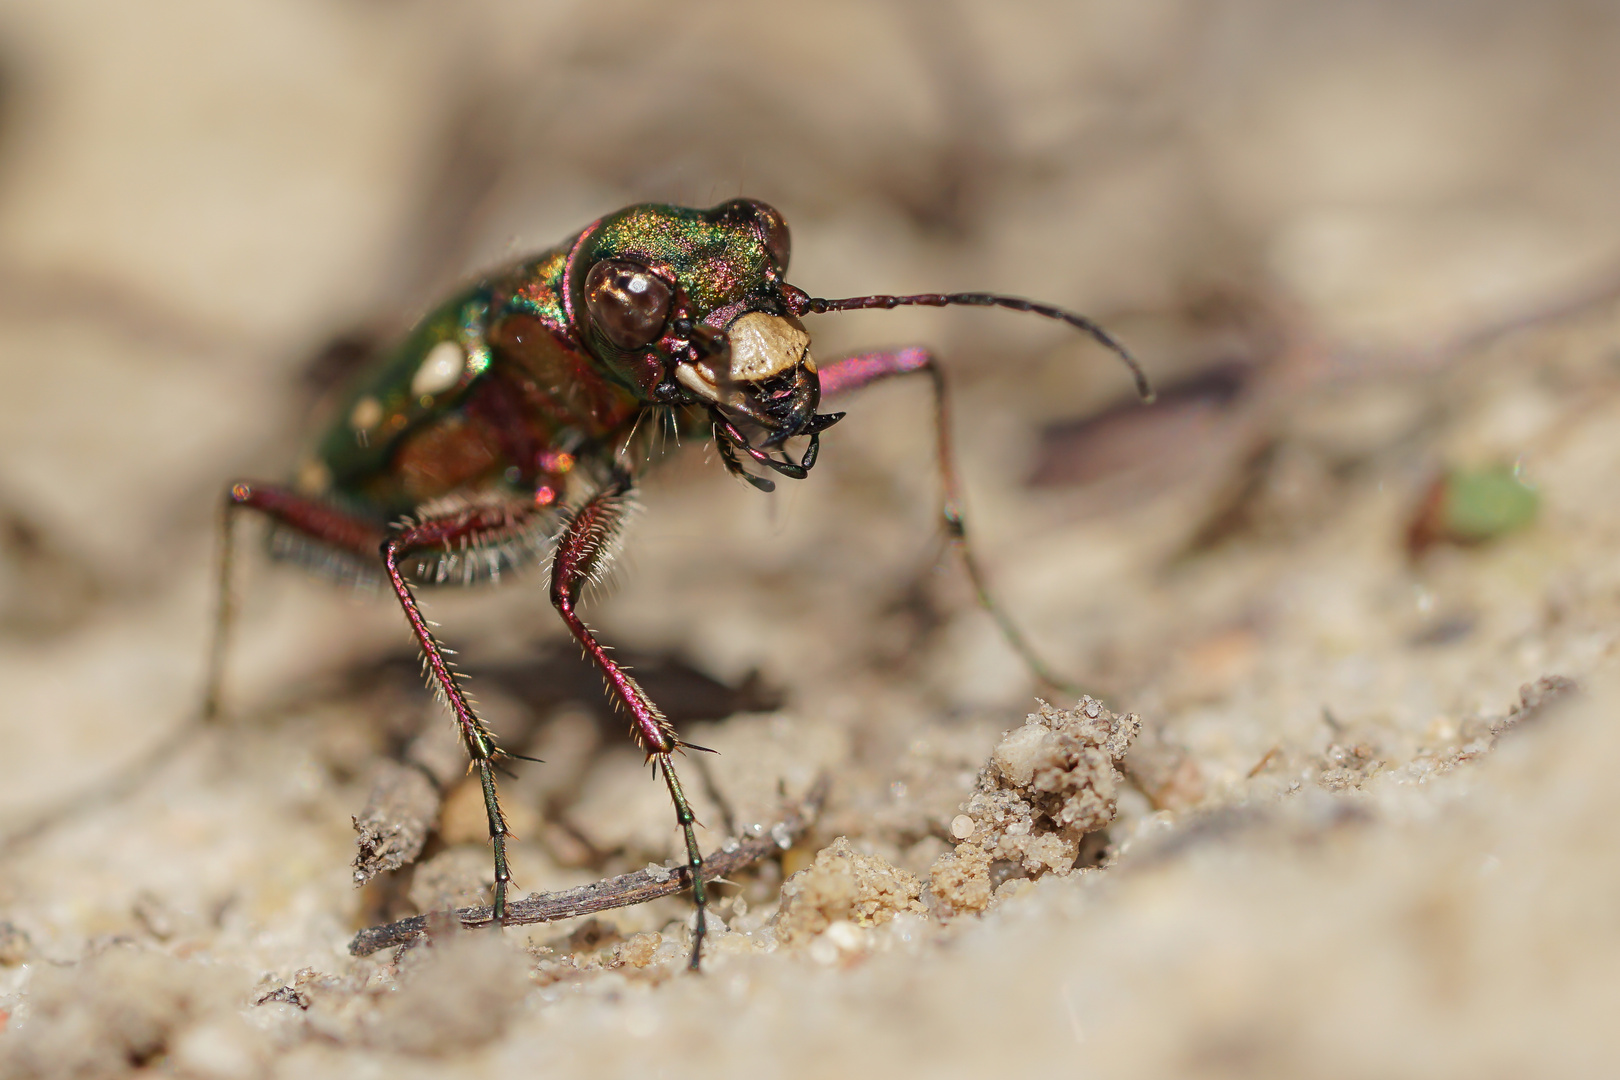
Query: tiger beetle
[[510, 425]]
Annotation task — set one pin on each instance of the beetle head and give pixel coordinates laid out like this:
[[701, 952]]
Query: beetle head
[[690, 307]]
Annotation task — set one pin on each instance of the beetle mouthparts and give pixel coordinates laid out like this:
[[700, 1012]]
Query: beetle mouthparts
[[786, 404], [763, 378], [764, 345]]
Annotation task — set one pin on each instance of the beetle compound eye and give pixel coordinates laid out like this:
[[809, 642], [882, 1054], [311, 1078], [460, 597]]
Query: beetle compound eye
[[774, 231], [627, 301], [772, 226]]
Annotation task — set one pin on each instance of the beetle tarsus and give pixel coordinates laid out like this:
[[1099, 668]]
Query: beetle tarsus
[[694, 860]]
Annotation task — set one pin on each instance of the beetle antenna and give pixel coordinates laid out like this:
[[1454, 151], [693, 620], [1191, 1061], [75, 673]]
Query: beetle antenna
[[814, 305]]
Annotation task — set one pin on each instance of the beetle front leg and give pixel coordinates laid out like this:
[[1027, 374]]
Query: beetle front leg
[[583, 551], [853, 372]]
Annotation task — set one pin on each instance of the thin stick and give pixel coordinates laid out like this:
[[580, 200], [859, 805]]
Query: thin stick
[[616, 892]]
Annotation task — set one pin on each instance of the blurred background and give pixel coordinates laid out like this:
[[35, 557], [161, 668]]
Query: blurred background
[[197, 200], [1312, 222]]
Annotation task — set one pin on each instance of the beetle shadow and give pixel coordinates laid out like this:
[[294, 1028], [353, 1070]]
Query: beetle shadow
[[557, 676]]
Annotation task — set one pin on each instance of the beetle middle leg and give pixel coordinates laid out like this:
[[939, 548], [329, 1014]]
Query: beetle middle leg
[[469, 527], [582, 553], [853, 372]]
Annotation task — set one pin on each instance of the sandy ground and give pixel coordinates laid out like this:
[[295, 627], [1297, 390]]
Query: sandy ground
[[1365, 822]]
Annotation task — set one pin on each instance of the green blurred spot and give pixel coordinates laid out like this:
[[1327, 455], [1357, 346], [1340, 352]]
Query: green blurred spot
[[1483, 504]]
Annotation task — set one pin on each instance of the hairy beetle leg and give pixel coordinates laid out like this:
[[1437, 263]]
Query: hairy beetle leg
[[320, 521], [854, 372], [582, 552], [475, 736]]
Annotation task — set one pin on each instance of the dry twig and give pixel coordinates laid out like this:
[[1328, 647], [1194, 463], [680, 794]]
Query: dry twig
[[617, 892]]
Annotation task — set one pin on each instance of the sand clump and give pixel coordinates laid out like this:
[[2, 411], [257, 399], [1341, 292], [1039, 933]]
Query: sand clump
[[1048, 785], [638, 950], [843, 885]]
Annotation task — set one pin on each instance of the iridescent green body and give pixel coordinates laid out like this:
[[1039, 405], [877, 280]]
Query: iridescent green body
[[418, 424], [502, 394]]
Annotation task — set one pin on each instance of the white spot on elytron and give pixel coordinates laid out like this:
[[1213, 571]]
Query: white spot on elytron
[[367, 414], [441, 369]]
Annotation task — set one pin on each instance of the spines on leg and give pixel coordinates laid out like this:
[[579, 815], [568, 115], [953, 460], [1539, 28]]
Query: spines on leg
[[589, 541]]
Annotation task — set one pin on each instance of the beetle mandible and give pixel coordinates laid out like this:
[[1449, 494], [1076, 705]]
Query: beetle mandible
[[510, 426]]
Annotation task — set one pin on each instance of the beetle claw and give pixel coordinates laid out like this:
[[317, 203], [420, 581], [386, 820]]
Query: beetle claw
[[821, 422]]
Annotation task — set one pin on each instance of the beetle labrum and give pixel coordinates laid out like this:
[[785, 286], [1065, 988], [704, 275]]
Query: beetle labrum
[[510, 425]]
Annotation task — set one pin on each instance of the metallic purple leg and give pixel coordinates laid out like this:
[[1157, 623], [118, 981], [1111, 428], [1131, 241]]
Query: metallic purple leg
[[582, 551]]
